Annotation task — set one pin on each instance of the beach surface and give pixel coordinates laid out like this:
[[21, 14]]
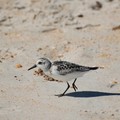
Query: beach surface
[[86, 32]]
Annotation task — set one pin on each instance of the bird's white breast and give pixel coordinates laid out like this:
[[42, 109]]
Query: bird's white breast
[[54, 73]]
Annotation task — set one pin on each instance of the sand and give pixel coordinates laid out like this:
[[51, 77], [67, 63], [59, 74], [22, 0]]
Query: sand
[[81, 31]]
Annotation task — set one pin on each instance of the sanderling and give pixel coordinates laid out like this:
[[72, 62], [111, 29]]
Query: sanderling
[[63, 71]]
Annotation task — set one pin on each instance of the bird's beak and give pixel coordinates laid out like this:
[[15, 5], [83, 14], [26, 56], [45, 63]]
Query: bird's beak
[[34, 66]]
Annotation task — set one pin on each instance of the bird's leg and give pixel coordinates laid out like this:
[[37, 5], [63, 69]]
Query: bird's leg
[[64, 91], [74, 86]]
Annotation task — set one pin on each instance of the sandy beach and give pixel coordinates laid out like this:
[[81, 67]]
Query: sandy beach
[[86, 32]]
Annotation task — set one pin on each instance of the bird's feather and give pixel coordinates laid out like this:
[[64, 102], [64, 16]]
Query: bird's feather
[[64, 67]]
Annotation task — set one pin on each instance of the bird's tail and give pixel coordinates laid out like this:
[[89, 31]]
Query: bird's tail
[[95, 68]]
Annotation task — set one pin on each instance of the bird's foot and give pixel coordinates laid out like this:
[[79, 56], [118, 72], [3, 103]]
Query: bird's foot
[[60, 95]]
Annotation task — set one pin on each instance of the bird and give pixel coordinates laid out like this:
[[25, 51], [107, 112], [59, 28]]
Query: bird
[[62, 70]]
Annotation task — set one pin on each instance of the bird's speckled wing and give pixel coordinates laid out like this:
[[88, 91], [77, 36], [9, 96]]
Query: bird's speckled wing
[[64, 67]]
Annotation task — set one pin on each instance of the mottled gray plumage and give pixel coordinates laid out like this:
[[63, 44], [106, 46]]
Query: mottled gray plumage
[[65, 67]]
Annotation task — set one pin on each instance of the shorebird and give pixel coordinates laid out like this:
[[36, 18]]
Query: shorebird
[[62, 70]]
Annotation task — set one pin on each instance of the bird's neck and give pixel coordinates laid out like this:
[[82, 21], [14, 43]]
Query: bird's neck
[[48, 67]]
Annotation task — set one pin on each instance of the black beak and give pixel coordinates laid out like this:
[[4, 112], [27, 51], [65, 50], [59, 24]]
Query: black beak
[[34, 66]]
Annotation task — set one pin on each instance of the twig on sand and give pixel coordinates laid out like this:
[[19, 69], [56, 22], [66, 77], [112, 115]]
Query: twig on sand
[[48, 30], [89, 25], [116, 27]]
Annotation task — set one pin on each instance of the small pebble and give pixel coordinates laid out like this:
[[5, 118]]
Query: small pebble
[[97, 6], [18, 65], [112, 114], [81, 15]]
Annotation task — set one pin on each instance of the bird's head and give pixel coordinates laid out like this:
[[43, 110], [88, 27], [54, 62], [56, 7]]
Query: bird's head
[[42, 63]]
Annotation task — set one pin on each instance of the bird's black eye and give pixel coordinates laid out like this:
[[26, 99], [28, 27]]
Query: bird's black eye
[[39, 62]]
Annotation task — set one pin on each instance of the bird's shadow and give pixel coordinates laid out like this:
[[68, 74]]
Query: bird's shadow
[[88, 94]]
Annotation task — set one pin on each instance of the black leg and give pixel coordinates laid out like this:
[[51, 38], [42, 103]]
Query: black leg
[[64, 91], [74, 86]]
